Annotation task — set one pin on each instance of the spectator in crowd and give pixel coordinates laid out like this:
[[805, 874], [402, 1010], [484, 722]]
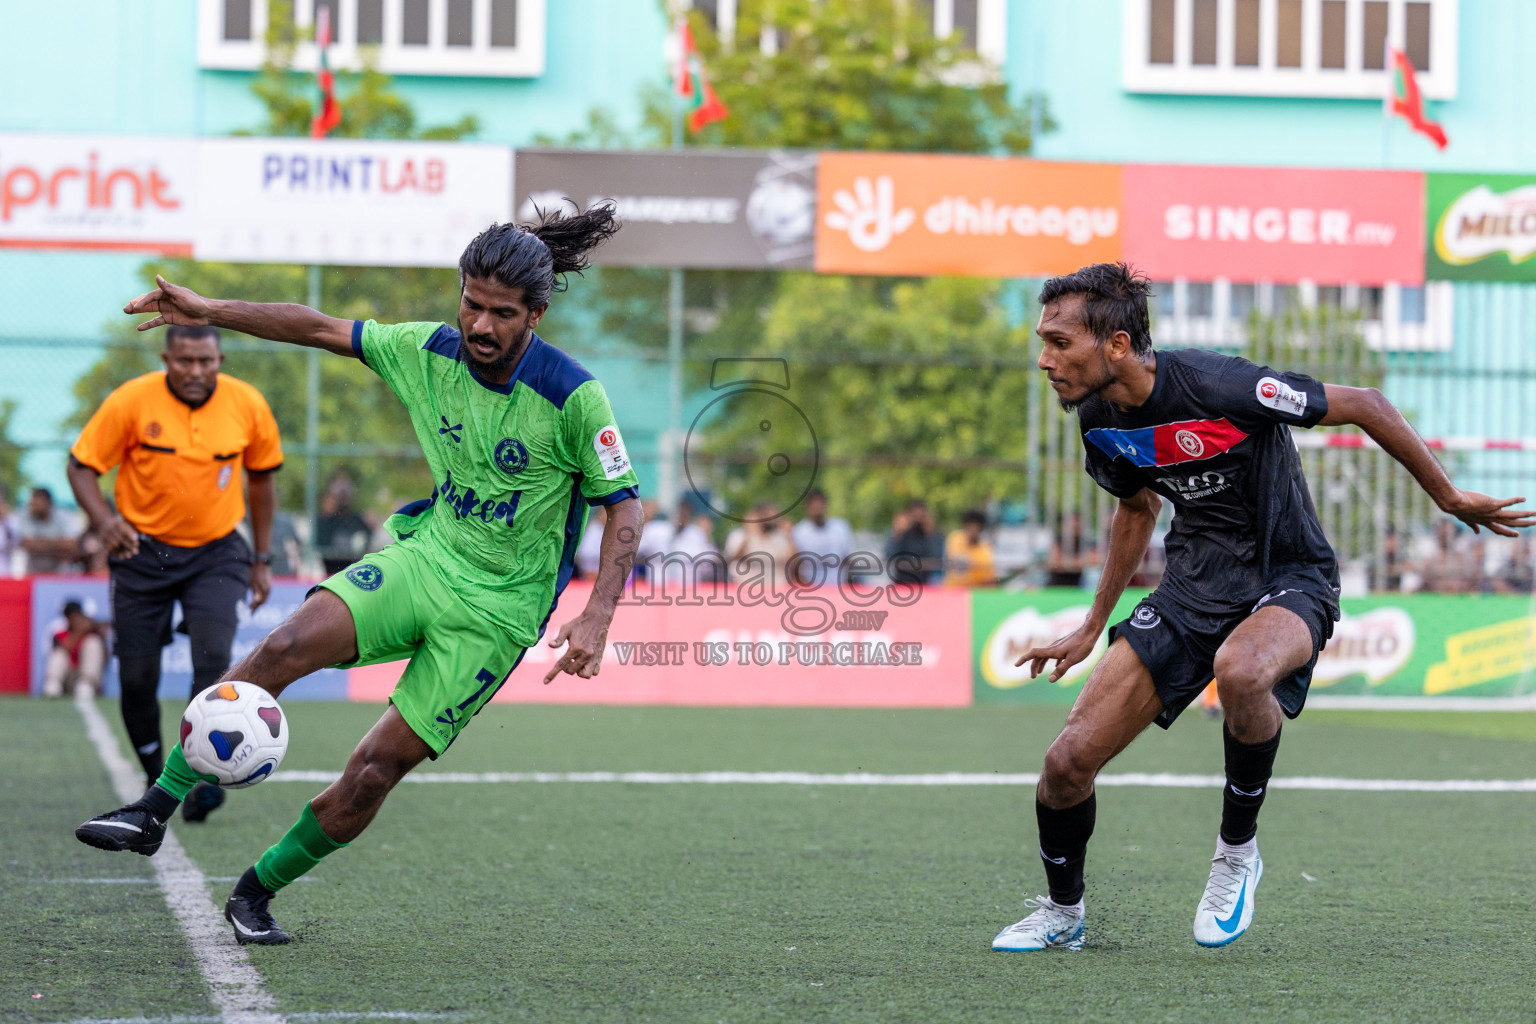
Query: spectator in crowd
[[1071, 552], [94, 554], [968, 554], [78, 656], [10, 544], [287, 549], [760, 547], [912, 552], [48, 535], [828, 538], [655, 538], [1453, 566], [692, 553], [342, 533], [589, 550]]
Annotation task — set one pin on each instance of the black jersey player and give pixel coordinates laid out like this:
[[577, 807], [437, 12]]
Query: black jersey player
[[1251, 589]]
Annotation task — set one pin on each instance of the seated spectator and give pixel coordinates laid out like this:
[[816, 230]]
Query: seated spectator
[[760, 548], [912, 551], [1071, 553], [1453, 566], [341, 532], [655, 538], [692, 550], [10, 544], [968, 554], [48, 535], [78, 656], [828, 538], [590, 549]]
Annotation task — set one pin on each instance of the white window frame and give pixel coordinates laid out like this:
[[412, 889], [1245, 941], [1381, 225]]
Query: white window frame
[[437, 58], [1220, 330], [1223, 78], [991, 27]]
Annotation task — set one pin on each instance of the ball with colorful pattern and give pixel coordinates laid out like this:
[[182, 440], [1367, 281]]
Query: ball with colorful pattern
[[234, 734]]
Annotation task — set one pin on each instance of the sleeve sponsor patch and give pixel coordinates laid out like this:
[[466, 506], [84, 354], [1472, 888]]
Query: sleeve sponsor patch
[[1277, 394], [610, 452]]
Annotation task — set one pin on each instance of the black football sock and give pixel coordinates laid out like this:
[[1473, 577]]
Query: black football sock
[[249, 887], [1249, 766], [211, 640], [139, 677], [159, 803], [1064, 838]]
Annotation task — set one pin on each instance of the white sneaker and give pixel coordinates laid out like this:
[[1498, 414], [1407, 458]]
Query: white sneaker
[[1226, 909], [1050, 925]]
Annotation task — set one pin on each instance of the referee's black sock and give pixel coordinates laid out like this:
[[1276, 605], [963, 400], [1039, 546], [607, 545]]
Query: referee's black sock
[[139, 676], [1064, 838], [1249, 766]]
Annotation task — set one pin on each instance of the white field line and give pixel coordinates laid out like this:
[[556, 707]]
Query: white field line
[[1158, 780], [234, 987], [1368, 702], [295, 1018]]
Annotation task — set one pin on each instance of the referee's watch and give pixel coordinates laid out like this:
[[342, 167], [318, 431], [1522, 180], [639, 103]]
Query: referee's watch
[[264, 557]]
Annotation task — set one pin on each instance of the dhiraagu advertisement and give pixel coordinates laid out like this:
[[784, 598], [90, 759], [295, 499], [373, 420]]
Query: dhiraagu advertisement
[[1390, 645], [1482, 227]]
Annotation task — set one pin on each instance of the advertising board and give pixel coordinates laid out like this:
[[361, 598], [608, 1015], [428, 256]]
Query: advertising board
[[1480, 227]]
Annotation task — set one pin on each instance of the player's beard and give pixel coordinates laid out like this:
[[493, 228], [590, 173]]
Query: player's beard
[[493, 367], [1106, 378]]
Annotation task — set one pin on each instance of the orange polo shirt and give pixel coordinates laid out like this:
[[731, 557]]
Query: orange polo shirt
[[180, 481]]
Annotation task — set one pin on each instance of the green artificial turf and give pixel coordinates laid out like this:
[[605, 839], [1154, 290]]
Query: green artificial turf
[[632, 902]]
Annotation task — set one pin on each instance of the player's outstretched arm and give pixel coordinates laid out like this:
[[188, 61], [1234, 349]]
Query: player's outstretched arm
[[1369, 410], [275, 321], [1129, 534], [587, 634]]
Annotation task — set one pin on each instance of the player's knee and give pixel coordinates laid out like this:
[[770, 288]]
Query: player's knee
[[281, 647], [371, 783], [1068, 768], [1240, 675]]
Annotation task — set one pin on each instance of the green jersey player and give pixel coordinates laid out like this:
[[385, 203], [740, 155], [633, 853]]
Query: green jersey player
[[520, 440]]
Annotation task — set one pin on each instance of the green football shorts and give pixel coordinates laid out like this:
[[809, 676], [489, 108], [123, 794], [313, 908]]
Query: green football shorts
[[403, 609]]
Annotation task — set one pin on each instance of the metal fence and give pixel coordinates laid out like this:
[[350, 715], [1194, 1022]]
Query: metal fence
[[1049, 519]]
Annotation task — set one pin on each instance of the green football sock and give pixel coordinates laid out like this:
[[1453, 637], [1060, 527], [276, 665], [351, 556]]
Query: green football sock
[[178, 778], [305, 845]]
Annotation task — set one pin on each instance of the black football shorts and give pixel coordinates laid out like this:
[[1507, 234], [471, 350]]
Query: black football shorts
[[1178, 642]]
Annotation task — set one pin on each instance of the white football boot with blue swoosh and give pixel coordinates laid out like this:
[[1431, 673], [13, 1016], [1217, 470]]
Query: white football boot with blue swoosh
[[1050, 925], [1226, 909]]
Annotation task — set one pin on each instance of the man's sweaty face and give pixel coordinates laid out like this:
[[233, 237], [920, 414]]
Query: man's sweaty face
[[1072, 358], [192, 368], [494, 324]]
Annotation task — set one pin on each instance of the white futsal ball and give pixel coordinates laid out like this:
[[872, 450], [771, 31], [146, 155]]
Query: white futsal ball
[[234, 732]]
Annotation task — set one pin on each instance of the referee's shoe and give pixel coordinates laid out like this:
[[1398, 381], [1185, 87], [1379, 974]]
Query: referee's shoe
[[204, 798]]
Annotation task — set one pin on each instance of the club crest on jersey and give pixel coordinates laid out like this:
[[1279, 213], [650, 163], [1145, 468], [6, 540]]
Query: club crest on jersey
[[1168, 444], [511, 456], [366, 576], [1277, 394]]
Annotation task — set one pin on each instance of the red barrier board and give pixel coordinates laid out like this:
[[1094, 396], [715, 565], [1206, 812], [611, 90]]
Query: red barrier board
[[740, 654], [1275, 224], [15, 634]]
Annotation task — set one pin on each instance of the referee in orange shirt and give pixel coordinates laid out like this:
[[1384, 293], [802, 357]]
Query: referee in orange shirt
[[180, 436]]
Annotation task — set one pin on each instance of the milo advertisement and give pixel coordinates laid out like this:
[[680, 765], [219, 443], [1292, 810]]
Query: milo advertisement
[[1482, 227], [1391, 645]]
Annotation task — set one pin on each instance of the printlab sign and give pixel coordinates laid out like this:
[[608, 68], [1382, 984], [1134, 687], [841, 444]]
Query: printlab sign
[[405, 204]]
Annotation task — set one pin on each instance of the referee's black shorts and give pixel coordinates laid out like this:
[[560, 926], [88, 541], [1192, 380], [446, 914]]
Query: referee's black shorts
[[208, 581]]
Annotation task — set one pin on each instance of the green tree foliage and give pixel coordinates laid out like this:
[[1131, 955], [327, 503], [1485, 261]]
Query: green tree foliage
[[11, 478], [900, 409], [356, 408]]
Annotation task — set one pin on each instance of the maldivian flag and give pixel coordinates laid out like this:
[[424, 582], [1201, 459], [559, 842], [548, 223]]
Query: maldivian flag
[[330, 113], [1404, 98], [688, 77]]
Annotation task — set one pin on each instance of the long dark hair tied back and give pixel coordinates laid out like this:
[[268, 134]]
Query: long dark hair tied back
[[537, 257]]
